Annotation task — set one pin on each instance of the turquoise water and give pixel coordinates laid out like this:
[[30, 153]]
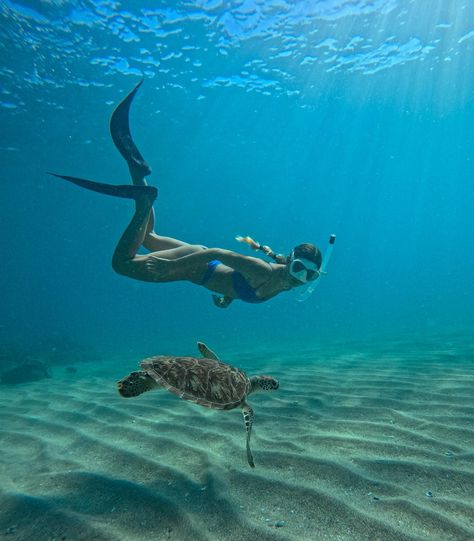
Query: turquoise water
[[286, 121]]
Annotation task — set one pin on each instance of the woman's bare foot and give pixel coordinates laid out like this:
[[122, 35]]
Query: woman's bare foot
[[158, 266]]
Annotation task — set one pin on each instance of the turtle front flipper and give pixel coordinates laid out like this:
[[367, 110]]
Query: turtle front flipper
[[248, 420], [135, 384], [206, 352]]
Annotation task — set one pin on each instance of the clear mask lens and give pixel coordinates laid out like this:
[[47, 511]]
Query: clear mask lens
[[304, 270]]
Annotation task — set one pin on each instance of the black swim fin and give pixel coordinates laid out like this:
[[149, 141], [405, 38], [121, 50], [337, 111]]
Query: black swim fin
[[120, 131], [125, 190]]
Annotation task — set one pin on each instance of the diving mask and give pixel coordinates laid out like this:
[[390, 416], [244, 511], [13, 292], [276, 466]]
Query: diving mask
[[303, 269]]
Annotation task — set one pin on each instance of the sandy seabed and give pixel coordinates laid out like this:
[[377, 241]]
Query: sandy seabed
[[359, 443]]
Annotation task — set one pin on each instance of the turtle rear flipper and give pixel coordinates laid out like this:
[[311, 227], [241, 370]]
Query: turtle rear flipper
[[206, 352], [135, 384], [248, 420]]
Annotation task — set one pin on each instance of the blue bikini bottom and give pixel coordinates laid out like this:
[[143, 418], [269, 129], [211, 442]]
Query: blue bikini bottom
[[245, 292]]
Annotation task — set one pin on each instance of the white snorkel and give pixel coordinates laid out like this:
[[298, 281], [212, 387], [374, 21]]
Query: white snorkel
[[306, 293]]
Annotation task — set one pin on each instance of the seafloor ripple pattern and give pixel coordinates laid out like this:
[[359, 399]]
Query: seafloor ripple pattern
[[354, 446]]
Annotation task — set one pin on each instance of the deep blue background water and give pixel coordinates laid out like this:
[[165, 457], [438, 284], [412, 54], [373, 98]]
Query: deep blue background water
[[286, 121]]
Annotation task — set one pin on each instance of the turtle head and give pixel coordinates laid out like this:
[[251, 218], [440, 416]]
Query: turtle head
[[263, 383], [135, 384]]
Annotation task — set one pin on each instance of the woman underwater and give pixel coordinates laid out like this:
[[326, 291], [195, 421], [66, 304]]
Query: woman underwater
[[231, 274]]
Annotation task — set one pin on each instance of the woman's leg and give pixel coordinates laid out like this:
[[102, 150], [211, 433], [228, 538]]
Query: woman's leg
[[139, 169], [125, 260], [152, 241], [132, 237]]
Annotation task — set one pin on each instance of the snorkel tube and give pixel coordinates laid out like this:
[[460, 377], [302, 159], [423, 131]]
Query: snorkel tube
[[306, 294]]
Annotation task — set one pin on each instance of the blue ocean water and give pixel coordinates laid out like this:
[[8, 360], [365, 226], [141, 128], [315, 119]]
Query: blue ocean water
[[283, 120]]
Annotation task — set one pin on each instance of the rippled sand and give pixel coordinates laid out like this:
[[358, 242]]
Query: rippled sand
[[367, 445]]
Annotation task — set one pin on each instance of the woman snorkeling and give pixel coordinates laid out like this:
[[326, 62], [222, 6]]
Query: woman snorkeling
[[232, 275]]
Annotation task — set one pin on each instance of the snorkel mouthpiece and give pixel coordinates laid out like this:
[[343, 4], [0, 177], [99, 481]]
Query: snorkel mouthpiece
[[306, 294]]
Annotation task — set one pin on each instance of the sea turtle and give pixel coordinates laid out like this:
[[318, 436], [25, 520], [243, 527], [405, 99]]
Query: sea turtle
[[206, 381]]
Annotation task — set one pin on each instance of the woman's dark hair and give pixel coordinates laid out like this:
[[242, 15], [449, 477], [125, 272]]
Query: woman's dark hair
[[308, 251]]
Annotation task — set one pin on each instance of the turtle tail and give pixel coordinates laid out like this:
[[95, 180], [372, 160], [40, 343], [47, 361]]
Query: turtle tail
[[135, 384]]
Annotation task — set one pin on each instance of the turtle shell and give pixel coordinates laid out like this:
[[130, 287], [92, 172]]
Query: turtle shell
[[207, 382]]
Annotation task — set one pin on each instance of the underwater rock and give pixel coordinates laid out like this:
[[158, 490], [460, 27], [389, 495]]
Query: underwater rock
[[29, 371]]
